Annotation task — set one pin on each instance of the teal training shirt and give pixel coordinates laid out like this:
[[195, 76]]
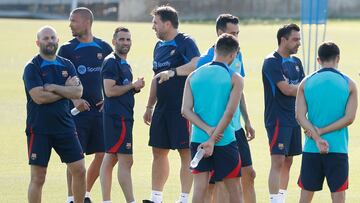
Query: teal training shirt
[[211, 87], [237, 67], [326, 94]]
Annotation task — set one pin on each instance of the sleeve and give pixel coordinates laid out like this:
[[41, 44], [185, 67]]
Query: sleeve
[[272, 70], [108, 49], [32, 77], [205, 58], [191, 50], [301, 69], [109, 70], [71, 69], [62, 52]]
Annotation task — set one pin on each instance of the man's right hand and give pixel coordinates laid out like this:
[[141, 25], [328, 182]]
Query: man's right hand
[[148, 115], [81, 105], [208, 146], [72, 81], [139, 84]]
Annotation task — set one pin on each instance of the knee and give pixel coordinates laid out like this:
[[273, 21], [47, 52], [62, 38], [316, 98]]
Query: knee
[[38, 179], [249, 176], [78, 171], [159, 154]]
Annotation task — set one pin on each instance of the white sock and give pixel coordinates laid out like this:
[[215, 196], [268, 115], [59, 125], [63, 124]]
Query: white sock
[[184, 197], [107, 201], [282, 195], [131, 202], [156, 196], [70, 199], [87, 194], [274, 198]]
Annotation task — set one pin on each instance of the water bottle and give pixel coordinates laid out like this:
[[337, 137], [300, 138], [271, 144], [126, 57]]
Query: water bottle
[[74, 111], [198, 156]]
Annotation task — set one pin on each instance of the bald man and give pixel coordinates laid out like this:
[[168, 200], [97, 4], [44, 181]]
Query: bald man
[[50, 82], [87, 53]]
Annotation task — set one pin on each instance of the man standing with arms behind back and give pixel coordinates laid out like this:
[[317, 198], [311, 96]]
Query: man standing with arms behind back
[[281, 75], [175, 56], [227, 23], [87, 53], [326, 104], [50, 82]]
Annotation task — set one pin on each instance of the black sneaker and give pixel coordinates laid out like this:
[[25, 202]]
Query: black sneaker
[[87, 200], [147, 201]]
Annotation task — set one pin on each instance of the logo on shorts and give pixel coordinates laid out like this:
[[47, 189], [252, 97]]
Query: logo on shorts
[[33, 156], [297, 68], [281, 146], [128, 145], [64, 73], [99, 56]]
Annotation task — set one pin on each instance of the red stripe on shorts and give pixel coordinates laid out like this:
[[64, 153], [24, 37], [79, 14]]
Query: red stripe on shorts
[[344, 186], [32, 135], [235, 172], [274, 138], [116, 147]]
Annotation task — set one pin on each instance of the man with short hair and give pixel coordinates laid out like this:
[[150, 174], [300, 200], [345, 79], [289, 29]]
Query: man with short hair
[[87, 53], [175, 56], [119, 89], [227, 23], [211, 120], [50, 82], [326, 105], [281, 75]]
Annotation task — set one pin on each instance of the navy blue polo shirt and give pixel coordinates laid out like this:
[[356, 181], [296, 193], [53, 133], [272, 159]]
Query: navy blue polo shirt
[[87, 59], [118, 69], [279, 107], [167, 55], [54, 118]]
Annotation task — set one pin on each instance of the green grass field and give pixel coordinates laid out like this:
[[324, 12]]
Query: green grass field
[[17, 46]]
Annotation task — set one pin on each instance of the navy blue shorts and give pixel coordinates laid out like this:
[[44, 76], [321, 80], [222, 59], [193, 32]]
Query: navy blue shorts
[[66, 145], [315, 167], [244, 148], [169, 130], [284, 140], [224, 163], [118, 134], [90, 132]]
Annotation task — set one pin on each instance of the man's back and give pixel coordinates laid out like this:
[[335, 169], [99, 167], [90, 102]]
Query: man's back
[[326, 94], [211, 86]]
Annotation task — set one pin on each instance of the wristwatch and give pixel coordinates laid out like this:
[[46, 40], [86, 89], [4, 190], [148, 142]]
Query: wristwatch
[[174, 69]]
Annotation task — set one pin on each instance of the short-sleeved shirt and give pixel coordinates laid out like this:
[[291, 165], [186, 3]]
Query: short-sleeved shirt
[[236, 66], [118, 69], [87, 59], [167, 55], [326, 93], [51, 118], [211, 87], [279, 107]]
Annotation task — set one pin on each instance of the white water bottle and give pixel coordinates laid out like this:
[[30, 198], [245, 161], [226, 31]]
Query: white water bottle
[[74, 111], [198, 156]]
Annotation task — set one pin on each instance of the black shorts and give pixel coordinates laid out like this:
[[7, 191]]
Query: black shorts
[[169, 130], [90, 132], [315, 167], [284, 140], [118, 134], [66, 145], [244, 148]]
